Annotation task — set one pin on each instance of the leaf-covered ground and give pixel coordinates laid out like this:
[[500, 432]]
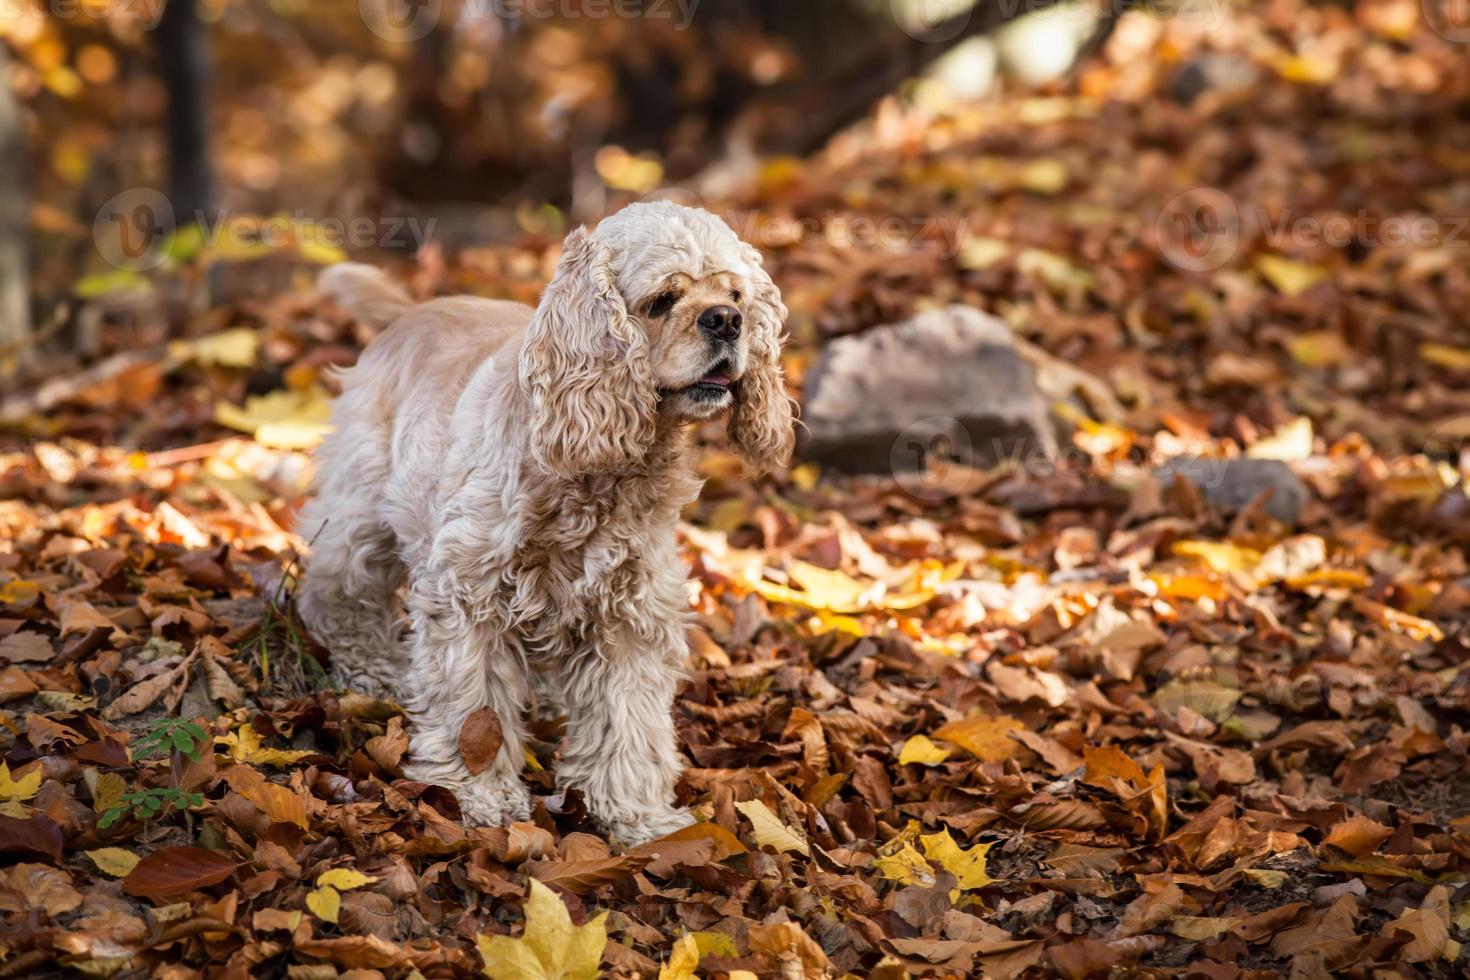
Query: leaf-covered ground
[[1031, 721]]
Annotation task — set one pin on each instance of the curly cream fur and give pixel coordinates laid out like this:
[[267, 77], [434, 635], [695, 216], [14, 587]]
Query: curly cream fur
[[523, 471]]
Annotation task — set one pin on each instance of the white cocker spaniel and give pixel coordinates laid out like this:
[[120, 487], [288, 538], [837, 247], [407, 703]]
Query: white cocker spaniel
[[522, 471]]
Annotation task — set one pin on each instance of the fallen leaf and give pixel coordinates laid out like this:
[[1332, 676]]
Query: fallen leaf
[[114, 860], [479, 740], [325, 902], [920, 749], [986, 737], [683, 960], [550, 947], [769, 830], [176, 871]]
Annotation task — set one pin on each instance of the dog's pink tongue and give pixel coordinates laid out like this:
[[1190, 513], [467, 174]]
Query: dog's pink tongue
[[715, 378]]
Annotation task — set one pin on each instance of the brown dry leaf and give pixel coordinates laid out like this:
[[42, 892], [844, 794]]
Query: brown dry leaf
[[805, 726], [479, 740], [281, 804], [1428, 929], [176, 871], [787, 944], [584, 876], [1358, 835]]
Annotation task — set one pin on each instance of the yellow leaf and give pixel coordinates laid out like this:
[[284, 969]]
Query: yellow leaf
[[244, 746], [1056, 272], [824, 590], [1290, 277], [550, 948], [281, 419], [1202, 928], [715, 944], [1266, 877], [1292, 441], [18, 590], [1443, 355], [237, 348], [1330, 578], [114, 860], [1318, 349], [682, 961], [1044, 176], [344, 879], [108, 791], [1220, 555], [325, 903], [986, 737], [906, 866], [968, 867], [982, 253], [922, 750], [769, 830], [1306, 69], [19, 789], [804, 477]]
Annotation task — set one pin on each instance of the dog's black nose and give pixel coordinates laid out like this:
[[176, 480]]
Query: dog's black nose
[[721, 321]]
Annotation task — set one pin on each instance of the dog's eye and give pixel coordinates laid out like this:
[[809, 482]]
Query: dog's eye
[[735, 295], [662, 304]]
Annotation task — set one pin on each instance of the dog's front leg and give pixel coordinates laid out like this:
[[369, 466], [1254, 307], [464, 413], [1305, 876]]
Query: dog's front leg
[[620, 749], [459, 667]]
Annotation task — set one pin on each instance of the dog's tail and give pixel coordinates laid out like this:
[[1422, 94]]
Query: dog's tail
[[365, 292]]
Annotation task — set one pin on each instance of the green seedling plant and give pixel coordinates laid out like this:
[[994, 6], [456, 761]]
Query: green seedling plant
[[174, 737], [147, 804], [171, 735]]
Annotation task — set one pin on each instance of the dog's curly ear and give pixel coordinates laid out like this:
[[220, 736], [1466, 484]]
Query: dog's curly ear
[[586, 370], [761, 426]]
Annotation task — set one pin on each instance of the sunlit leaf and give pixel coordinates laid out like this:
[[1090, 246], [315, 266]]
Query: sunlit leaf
[[922, 750], [550, 947], [986, 737], [769, 830], [1290, 277]]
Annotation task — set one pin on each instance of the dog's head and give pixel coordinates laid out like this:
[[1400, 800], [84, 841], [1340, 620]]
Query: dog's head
[[660, 312]]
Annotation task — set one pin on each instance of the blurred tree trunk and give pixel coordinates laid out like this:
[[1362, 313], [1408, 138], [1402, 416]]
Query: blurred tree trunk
[[15, 314], [183, 56]]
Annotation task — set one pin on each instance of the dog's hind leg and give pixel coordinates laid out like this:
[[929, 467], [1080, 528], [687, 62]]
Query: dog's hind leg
[[348, 598]]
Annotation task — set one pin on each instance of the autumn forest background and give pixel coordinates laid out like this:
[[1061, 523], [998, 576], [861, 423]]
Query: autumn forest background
[[1113, 620]]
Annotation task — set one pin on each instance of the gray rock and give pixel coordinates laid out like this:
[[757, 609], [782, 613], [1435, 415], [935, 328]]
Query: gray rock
[[946, 382], [1230, 484]]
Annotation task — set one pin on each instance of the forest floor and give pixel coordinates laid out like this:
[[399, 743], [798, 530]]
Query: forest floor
[[1027, 721]]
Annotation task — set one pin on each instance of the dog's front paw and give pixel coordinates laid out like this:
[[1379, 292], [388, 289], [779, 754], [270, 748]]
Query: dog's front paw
[[484, 800], [650, 826]]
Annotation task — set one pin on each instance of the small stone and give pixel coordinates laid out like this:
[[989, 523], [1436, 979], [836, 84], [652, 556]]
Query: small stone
[[948, 382], [1230, 484]]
